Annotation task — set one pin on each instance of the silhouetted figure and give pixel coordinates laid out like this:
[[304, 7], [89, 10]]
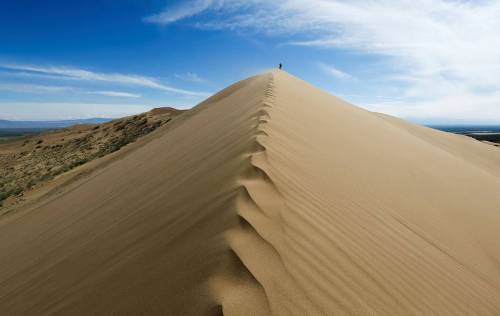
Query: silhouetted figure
[[281, 66]]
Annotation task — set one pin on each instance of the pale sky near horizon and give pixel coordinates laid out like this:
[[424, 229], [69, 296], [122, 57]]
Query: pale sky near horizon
[[429, 61]]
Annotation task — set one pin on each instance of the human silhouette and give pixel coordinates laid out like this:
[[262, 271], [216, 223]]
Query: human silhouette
[[281, 66]]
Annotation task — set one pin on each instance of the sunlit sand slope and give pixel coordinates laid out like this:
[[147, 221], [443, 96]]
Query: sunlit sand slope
[[271, 197]]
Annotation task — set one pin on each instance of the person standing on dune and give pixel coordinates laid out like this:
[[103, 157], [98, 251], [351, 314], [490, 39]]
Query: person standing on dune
[[281, 66]]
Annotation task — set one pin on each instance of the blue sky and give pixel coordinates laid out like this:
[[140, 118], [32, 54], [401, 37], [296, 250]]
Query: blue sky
[[430, 61]]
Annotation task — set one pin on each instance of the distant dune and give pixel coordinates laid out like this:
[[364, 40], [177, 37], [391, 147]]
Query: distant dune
[[28, 162], [271, 197]]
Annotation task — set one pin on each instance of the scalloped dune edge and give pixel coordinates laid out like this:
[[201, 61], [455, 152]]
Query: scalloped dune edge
[[271, 197]]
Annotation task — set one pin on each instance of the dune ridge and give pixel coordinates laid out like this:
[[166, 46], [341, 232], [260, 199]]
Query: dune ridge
[[259, 205], [271, 197]]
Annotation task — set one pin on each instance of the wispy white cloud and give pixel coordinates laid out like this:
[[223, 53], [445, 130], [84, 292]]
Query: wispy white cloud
[[181, 11], [34, 88], [116, 94], [335, 72], [81, 74], [43, 89], [190, 77], [447, 52]]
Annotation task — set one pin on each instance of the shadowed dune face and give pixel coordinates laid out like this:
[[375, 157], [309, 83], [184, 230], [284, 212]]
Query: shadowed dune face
[[272, 197]]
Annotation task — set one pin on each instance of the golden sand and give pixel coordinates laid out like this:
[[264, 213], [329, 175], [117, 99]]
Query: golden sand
[[271, 197]]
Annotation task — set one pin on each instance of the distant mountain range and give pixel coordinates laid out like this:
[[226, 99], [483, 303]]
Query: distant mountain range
[[50, 124]]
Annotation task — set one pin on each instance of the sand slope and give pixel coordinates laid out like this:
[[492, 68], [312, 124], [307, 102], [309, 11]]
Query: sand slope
[[271, 197]]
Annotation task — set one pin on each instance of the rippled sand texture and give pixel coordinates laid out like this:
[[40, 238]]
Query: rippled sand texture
[[271, 197]]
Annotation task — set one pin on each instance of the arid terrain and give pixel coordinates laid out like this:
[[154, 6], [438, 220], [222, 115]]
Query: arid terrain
[[271, 197], [30, 161]]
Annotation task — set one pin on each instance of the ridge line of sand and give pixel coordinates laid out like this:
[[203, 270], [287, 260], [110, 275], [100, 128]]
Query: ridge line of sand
[[257, 238], [245, 291]]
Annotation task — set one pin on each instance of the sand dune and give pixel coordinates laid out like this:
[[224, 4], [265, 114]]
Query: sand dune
[[271, 197]]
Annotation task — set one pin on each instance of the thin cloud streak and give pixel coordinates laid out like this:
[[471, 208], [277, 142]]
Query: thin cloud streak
[[33, 88], [116, 94], [185, 10], [335, 72], [44, 89], [190, 77], [85, 75]]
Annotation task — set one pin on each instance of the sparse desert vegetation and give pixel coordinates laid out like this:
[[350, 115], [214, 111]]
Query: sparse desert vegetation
[[27, 162]]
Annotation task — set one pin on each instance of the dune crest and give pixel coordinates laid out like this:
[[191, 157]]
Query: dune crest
[[271, 197]]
